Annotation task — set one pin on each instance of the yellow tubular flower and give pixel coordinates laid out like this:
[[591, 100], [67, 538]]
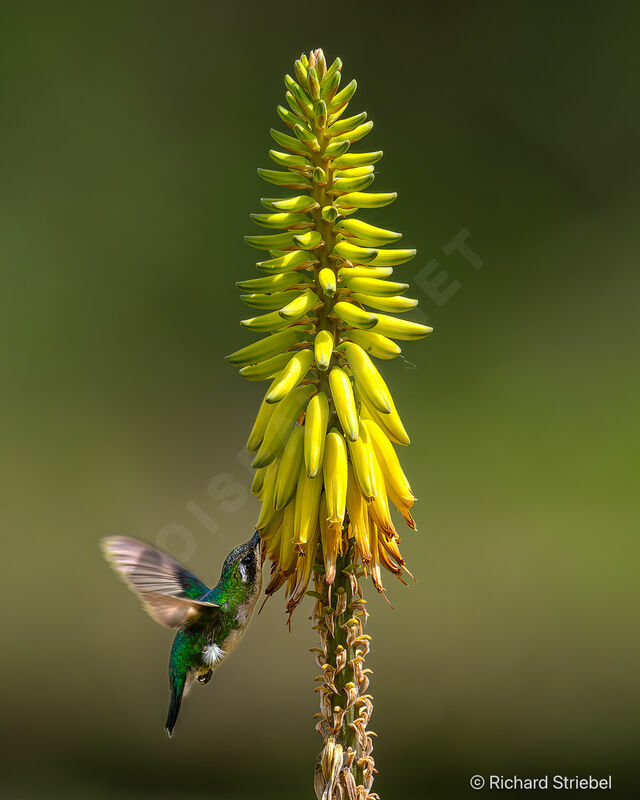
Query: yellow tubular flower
[[344, 402], [323, 349], [390, 463], [379, 506], [289, 468], [330, 541], [287, 555], [361, 454], [336, 475], [271, 535], [358, 517], [268, 488], [258, 481], [315, 431], [306, 506], [376, 573], [305, 566]]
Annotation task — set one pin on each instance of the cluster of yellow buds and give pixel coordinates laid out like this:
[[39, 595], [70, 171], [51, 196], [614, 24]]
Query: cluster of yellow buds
[[323, 438]]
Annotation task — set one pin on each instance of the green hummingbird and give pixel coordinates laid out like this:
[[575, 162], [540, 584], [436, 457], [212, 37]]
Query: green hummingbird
[[210, 622]]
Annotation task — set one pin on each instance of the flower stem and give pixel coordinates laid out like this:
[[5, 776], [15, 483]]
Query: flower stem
[[346, 767]]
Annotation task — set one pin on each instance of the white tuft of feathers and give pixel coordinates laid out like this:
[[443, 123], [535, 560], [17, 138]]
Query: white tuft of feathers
[[212, 654]]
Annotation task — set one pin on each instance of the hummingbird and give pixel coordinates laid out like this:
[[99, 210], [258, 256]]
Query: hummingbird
[[209, 622]]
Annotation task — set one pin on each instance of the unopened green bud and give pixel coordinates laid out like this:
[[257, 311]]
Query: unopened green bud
[[337, 148], [330, 82], [313, 83], [321, 64], [304, 134], [321, 114], [319, 176], [301, 72], [329, 213]]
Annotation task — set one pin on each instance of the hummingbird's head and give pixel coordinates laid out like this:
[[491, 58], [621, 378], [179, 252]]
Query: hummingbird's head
[[242, 570]]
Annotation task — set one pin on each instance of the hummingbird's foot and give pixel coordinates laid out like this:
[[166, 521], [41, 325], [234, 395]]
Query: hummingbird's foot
[[204, 677]]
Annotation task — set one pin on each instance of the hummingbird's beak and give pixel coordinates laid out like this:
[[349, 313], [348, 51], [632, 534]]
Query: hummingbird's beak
[[255, 541]]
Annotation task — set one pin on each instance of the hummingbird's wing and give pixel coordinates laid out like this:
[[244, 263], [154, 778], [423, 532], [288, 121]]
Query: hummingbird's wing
[[174, 612], [168, 591], [146, 569]]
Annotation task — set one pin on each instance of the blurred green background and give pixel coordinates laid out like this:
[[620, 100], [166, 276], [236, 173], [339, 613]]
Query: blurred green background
[[130, 134]]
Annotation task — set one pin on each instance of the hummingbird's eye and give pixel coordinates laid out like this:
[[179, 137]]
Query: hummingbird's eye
[[245, 567]]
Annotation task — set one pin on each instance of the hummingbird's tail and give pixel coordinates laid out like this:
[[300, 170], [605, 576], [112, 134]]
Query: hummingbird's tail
[[177, 690]]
